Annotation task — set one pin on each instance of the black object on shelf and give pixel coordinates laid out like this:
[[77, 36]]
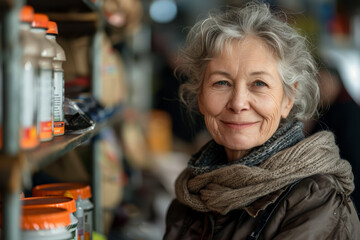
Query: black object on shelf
[[76, 121]]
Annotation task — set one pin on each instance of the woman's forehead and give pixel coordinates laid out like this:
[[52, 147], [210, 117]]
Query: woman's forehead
[[248, 40], [249, 51]]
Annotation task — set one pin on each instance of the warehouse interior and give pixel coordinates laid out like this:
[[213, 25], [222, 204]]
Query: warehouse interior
[[136, 136]]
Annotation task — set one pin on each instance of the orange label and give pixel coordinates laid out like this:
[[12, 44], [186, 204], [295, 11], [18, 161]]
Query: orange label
[[29, 138], [46, 130], [59, 128], [87, 236]]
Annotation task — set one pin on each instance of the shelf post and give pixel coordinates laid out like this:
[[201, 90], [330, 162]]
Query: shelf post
[[96, 62], [11, 215], [96, 185], [96, 50], [12, 57], [11, 182], [12, 52]]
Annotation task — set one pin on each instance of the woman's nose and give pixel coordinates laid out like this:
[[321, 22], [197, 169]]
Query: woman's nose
[[238, 101]]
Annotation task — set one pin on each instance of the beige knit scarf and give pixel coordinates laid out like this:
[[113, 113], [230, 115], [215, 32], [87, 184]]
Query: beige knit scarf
[[237, 186]]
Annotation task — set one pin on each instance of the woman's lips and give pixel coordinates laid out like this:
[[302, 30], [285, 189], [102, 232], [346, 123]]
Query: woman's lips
[[239, 125]]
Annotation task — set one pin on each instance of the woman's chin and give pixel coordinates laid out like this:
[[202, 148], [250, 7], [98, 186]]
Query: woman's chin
[[239, 144]]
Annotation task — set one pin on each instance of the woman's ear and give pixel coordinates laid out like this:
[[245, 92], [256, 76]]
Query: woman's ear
[[288, 103], [296, 86]]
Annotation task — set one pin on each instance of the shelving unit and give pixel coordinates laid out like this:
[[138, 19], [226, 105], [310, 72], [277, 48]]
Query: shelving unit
[[50, 151], [16, 166]]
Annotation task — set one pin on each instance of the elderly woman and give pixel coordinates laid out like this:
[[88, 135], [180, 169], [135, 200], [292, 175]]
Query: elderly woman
[[253, 79]]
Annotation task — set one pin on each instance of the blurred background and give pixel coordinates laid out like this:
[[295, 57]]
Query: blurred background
[[120, 57]]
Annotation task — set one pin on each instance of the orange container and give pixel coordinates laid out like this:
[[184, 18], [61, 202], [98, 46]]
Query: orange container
[[45, 223], [57, 202], [81, 193], [44, 218], [73, 190]]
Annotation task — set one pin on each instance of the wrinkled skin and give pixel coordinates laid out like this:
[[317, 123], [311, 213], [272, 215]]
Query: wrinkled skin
[[242, 97]]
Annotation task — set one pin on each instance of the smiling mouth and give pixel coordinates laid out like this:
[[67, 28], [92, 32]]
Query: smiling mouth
[[236, 125]]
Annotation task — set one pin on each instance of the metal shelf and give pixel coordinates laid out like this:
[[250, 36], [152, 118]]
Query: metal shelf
[[50, 151], [26, 162]]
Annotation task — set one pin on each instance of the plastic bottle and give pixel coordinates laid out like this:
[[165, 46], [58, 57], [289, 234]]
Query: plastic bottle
[[58, 202], [80, 192], [39, 26], [45, 224], [29, 137], [59, 85]]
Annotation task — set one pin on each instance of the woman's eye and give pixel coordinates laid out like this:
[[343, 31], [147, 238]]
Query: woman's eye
[[222, 83], [260, 84]]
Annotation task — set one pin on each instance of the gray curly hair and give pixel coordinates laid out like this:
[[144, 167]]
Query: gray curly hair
[[207, 38]]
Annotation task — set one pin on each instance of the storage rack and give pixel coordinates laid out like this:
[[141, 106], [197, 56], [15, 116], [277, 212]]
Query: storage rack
[[16, 166]]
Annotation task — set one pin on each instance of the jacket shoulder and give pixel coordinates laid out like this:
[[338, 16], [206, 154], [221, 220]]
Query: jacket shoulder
[[316, 207], [324, 187], [322, 182]]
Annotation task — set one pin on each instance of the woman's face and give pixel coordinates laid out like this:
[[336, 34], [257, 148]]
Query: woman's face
[[242, 97]]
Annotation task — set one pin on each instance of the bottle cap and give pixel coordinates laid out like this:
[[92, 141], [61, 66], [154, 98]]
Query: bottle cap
[[73, 190], [52, 28], [40, 21], [57, 202], [44, 218], [27, 14]]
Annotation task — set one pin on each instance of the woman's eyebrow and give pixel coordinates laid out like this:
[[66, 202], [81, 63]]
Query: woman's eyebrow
[[227, 74], [256, 73], [218, 72]]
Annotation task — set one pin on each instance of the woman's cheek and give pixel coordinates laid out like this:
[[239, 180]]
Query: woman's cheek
[[270, 112], [214, 104]]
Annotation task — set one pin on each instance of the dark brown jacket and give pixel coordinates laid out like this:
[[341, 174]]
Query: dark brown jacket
[[315, 209]]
